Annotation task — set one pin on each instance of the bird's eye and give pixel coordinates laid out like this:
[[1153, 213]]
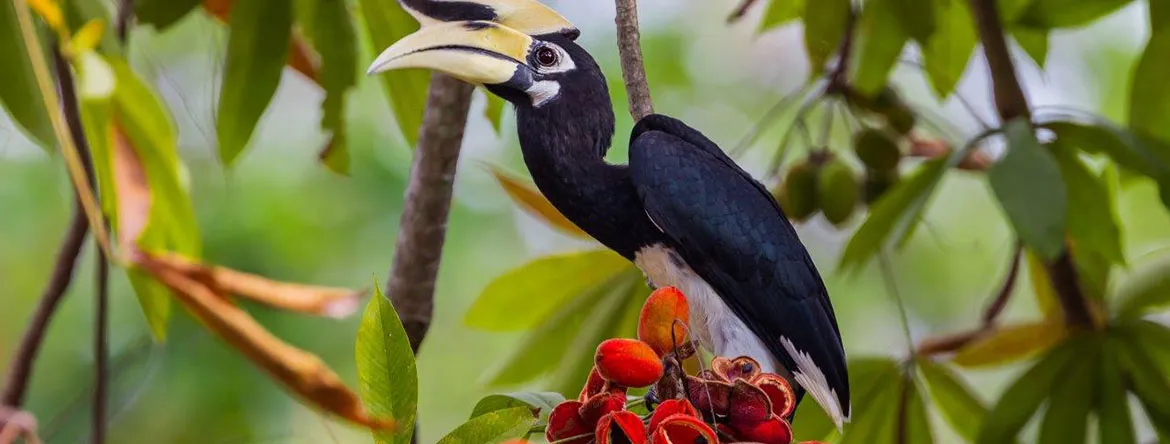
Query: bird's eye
[[546, 56]]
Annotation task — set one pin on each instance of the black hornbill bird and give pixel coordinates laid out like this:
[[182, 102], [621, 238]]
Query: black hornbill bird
[[681, 210]]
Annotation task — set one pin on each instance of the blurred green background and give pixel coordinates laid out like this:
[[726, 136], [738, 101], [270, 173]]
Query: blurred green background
[[280, 214]]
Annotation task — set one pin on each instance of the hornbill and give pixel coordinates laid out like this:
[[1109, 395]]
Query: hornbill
[[683, 211]]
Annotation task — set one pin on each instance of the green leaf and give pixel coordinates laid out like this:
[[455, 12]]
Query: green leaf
[[493, 427], [882, 39], [1033, 41], [825, 25], [1048, 14], [780, 12], [1149, 99], [1030, 190], [163, 13], [1148, 380], [1128, 150], [1112, 407], [19, 94], [610, 320], [916, 420], [524, 296], [171, 226], [946, 55], [1094, 225], [1145, 290], [915, 17], [541, 403], [494, 110], [1011, 10], [406, 90], [387, 377], [1020, 401], [895, 214], [1072, 399], [954, 399], [547, 345], [80, 12], [877, 420], [333, 36], [259, 32]]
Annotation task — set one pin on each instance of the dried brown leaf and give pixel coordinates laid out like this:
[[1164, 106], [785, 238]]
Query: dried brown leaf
[[300, 371], [325, 301], [976, 160], [132, 190], [17, 424], [534, 203]]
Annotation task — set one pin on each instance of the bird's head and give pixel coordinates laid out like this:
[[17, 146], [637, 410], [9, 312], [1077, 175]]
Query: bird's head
[[529, 71], [528, 16]]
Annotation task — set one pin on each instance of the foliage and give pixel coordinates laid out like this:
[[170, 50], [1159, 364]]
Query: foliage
[[387, 377]]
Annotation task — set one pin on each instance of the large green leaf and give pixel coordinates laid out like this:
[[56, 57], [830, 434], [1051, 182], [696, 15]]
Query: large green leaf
[[1034, 42], [140, 113], [945, 57], [1145, 290], [406, 90], [882, 38], [1093, 225], [780, 12], [525, 296], [333, 36], [1030, 190], [1020, 401], [916, 420], [1112, 407], [895, 214], [875, 420], [163, 13], [1046, 14], [915, 17], [1072, 399], [825, 24], [615, 317], [954, 399], [1149, 99], [1148, 380], [387, 377], [492, 427], [545, 346], [258, 36], [19, 94], [1119, 144], [541, 403]]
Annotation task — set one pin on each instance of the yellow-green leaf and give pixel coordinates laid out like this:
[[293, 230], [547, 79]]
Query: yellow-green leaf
[[406, 90], [1029, 187], [1146, 289], [494, 427], [882, 38], [19, 94], [163, 13], [87, 38], [1147, 379], [1093, 226], [1033, 41], [954, 398], [1046, 14], [780, 12], [916, 18], [387, 377], [615, 318], [1042, 288], [524, 296], [1011, 343], [494, 110], [1114, 423], [876, 421], [527, 197], [334, 37], [946, 56], [1019, 402], [1149, 98], [540, 403], [825, 25], [1071, 399], [259, 32]]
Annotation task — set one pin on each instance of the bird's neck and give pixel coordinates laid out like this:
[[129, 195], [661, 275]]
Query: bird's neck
[[564, 151]]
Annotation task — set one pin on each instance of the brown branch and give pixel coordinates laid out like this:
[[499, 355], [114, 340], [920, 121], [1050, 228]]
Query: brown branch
[[838, 79], [633, 68], [1005, 291], [122, 21], [740, 10], [954, 341], [1011, 103], [411, 286]]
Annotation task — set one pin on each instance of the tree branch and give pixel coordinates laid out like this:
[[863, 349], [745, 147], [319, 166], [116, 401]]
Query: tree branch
[[954, 341], [423, 226], [1011, 103], [633, 69]]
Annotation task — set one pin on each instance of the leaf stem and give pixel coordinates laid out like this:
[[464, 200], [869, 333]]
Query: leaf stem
[[892, 289]]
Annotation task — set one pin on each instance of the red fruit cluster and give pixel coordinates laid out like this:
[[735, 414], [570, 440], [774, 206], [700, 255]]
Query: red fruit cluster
[[732, 401]]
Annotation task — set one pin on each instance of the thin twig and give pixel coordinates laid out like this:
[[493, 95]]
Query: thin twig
[[633, 69], [892, 289], [423, 225], [125, 15], [1011, 103], [838, 79], [1005, 291], [740, 10], [954, 341]]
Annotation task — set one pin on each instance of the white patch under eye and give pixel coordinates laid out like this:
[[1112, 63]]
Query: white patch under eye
[[543, 91], [564, 63]]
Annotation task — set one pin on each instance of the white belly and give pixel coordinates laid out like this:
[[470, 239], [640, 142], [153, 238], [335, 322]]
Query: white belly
[[713, 323]]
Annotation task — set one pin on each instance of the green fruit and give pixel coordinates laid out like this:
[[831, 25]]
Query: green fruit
[[837, 191], [876, 149], [901, 119], [798, 195], [877, 183]]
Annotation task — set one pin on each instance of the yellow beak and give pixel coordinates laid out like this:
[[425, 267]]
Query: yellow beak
[[526, 16], [477, 52]]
